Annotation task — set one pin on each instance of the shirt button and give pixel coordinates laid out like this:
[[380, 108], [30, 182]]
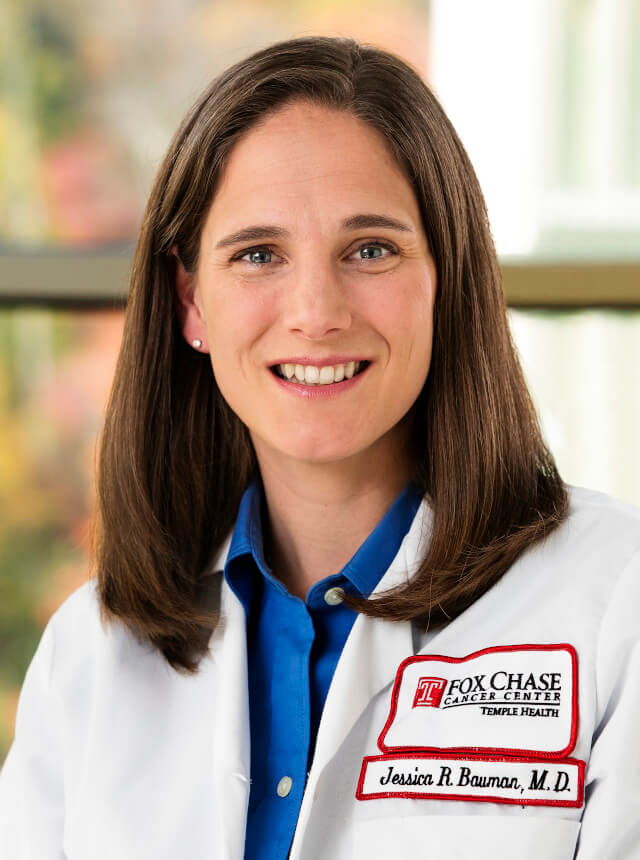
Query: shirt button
[[334, 596], [284, 786]]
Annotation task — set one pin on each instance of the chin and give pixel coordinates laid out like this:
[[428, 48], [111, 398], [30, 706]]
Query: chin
[[325, 450], [322, 455], [311, 448]]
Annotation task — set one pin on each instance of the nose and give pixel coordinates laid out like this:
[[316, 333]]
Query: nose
[[317, 303]]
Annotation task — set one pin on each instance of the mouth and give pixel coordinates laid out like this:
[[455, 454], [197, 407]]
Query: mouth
[[316, 376]]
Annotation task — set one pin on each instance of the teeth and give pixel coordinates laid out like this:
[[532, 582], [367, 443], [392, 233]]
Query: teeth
[[311, 375]]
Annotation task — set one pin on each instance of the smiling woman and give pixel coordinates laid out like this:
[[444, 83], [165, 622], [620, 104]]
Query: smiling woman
[[335, 560]]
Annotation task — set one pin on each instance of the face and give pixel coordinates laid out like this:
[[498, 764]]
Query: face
[[318, 319]]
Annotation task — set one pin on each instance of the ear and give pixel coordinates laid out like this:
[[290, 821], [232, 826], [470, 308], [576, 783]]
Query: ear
[[191, 316]]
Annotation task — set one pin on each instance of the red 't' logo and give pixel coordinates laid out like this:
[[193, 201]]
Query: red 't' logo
[[429, 692]]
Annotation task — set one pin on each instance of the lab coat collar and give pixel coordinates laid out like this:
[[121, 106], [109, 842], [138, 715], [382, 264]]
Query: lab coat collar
[[369, 660]]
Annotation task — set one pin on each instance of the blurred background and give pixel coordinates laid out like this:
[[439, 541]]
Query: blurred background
[[546, 97]]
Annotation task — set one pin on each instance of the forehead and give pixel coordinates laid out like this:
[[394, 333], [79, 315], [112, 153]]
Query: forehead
[[306, 160]]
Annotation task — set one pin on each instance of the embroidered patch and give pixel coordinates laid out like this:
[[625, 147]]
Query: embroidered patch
[[492, 779], [517, 700]]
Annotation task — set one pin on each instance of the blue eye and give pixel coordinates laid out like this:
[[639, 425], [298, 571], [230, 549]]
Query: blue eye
[[373, 251], [251, 252], [376, 246]]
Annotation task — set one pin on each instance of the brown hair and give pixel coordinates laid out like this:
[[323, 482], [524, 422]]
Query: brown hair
[[175, 460]]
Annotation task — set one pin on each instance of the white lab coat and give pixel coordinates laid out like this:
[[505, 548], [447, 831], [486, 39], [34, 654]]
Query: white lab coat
[[118, 756]]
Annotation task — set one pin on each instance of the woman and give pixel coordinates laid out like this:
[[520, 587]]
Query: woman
[[345, 605]]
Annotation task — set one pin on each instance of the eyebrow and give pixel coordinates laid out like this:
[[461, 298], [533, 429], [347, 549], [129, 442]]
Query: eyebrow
[[271, 231]]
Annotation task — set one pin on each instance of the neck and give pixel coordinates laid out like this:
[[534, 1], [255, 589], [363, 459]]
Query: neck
[[320, 514]]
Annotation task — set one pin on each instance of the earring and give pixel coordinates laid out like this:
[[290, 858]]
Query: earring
[[197, 343]]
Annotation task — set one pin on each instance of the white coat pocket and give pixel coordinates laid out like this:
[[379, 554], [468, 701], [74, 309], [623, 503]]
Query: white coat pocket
[[452, 837]]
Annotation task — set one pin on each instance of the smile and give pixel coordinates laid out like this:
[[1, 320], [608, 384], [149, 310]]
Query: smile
[[312, 375]]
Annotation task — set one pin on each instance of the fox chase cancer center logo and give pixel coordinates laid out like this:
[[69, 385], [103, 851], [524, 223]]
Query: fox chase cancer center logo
[[509, 699], [429, 692]]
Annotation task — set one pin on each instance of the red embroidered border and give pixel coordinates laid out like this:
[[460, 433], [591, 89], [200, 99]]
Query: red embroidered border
[[471, 798], [552, 756]]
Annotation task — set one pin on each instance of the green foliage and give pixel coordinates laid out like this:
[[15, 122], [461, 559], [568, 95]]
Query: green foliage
[[55, 74]]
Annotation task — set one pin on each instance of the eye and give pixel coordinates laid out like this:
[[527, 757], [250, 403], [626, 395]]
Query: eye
[[373, 251], [259, 252]]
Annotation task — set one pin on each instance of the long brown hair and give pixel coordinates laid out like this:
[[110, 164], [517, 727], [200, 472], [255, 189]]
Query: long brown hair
[[174, 459]]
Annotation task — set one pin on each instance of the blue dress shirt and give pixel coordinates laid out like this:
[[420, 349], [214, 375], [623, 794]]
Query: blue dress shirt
[[293, 647]]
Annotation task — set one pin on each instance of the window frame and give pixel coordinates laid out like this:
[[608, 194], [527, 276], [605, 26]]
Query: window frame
[[100, 279]]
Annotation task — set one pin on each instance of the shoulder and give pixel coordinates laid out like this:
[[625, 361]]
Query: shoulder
[[600, 539], [586, 573], [84, 647], [600, 529], [585, 504], [81, 607], [602, 535], [78, 618]]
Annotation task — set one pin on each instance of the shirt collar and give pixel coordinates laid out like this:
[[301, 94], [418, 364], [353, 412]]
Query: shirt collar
[[247, 534]]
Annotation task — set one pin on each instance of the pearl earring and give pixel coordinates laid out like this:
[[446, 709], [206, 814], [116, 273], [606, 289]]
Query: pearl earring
[[197, 343]]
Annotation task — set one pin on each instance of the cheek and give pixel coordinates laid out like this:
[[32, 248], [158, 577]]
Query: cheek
[[405, 319], [235, 320], [414, 341]]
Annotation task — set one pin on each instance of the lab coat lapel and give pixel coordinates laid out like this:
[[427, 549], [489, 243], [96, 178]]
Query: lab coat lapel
[[369, 660], [231, 747]]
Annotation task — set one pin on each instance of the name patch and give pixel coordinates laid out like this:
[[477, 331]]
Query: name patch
[[514, 700], [521, 781]]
